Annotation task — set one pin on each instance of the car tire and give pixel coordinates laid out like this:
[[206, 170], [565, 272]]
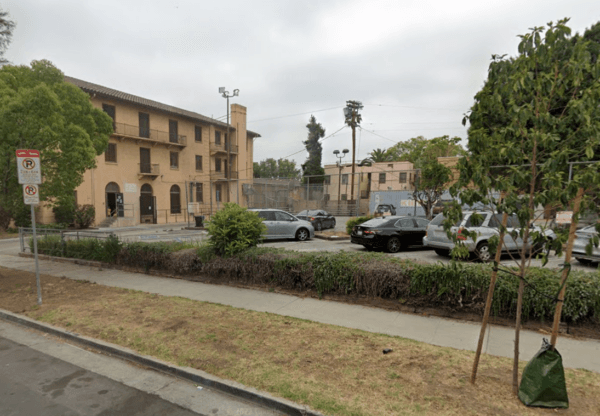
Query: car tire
[[540, 248], [483, 252], [394, 245], [318, 226], [302, 234], [583, 261], [442, 252], [333, 224]]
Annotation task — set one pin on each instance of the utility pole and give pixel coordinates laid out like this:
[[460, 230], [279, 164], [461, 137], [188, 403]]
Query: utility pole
[[353, 119]]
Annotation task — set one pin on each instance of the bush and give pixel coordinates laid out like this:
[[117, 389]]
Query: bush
[[22, 216], [84, 216], [352, 222], [4, 219], [64, 213], [234, 229]]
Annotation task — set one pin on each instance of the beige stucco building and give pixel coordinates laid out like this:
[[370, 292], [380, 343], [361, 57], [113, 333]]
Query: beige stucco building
[[381, 176], [162, 162]]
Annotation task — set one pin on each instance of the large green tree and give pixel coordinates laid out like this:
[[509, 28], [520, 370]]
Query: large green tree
[[312, 166], [271, 168], [6, 29], [420, 150], [39, 110], [536, 113]]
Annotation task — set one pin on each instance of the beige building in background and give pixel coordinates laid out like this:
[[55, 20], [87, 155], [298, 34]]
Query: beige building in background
[[381, 176], [162, 162]]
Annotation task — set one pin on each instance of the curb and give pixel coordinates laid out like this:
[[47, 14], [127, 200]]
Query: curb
[[331, 237], [196, 376]]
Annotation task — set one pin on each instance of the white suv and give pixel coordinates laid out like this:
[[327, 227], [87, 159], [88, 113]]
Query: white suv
[[437, 238]]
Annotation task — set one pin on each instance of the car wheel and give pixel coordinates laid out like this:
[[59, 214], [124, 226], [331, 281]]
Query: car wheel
[[333, 224], [394, 245], [540, 248], [483, 252], [302, 234], [442, 252], [318, 226], [583, 261]]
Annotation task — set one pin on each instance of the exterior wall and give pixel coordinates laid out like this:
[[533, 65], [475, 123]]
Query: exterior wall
[[392, 171], [125, 172]]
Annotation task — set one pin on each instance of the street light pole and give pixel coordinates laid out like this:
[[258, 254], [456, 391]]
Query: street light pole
[[226, 95], [353, 118], [339, 163]]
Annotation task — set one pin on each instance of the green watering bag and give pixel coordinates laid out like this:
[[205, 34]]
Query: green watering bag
[[543, 382]]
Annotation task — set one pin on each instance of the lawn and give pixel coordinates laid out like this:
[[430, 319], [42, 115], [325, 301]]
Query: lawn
[[335, 370]]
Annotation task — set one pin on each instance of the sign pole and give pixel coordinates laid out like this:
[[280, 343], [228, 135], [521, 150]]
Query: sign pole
[[37, 265]]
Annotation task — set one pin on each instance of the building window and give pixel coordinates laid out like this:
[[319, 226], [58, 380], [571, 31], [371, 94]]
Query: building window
[[175, 200], [382, 178], [345, 179], [75, 196], [327, 180], [217, 164], [218, 192], [217, 137], [344, 197], [198, 136], [402, 177], [173, 131], [111, 153], [174, 160], [111, 111], [144, 119], [198, 162], [199, 196]]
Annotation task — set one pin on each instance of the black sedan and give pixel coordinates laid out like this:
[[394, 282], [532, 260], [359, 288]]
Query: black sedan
[[318, 218], [391, 233]]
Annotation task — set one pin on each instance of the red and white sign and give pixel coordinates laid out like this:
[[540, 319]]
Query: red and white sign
[[31, 194], [28, 166]]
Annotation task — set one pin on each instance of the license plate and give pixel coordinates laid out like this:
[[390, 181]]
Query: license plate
[[359, 232]]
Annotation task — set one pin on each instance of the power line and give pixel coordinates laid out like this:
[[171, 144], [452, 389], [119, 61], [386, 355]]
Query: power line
[[322, 140], [414, 107], [379, 135], [294, 115]]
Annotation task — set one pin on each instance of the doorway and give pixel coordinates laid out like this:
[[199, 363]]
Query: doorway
[[113, 197], [147, 205]]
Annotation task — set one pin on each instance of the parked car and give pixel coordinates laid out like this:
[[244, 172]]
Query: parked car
[[391, 233], [437, 238], [384, 209], [281, 224], [582, 238], [318, 218]]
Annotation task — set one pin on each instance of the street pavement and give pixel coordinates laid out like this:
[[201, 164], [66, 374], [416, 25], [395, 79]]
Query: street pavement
[[42, 375], [577, 353]]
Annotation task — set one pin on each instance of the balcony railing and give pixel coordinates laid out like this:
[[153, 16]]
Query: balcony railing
[[148, 169], [223, 175], [223, 148], [137, 132]]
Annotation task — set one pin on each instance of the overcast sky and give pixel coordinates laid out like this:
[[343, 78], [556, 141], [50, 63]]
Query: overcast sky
[[415, 65]]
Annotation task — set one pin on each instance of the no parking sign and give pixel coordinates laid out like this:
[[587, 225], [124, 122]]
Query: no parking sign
[[28, 166]]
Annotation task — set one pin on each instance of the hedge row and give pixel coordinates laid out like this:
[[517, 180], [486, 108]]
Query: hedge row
[[455, 286]]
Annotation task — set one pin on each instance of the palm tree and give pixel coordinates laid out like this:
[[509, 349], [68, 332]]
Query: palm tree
[[380, 155]]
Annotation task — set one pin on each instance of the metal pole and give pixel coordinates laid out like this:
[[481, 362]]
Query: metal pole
[[307, 191], [228, 153], [37, 266], [187, 202], [353, 151]]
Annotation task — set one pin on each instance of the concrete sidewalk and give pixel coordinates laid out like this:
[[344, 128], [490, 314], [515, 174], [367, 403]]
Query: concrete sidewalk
[[576, 353]]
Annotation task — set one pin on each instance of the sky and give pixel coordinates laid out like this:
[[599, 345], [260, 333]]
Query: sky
[[414, 65]]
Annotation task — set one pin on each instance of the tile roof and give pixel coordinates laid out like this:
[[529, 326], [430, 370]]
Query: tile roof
[[144, 102]]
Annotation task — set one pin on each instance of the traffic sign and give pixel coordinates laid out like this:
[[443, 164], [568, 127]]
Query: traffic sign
[[31, 194], [28, 166]]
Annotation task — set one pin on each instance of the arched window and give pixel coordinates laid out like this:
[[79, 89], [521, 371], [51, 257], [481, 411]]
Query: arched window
[[175, 200], [146, 189], [112, 187]]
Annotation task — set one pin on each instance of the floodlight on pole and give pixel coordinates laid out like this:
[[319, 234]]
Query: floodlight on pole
[[339, 163]]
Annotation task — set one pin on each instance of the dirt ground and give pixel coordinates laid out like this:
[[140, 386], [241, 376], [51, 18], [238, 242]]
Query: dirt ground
[[335, 370]]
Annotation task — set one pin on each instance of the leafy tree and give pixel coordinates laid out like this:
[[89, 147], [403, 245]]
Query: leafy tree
[[6, 28], [430, 184], [38, 110], [536, 112], [420, 150], [312, 166], [271, 168]]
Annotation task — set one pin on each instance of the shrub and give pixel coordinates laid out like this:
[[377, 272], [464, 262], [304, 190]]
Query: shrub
[[352, 222], [234, 229], [64, 213], [4, 218], [22, 216], [84, 216]]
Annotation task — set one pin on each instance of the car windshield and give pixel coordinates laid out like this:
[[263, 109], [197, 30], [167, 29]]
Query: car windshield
[[439, 219], [589, 229], [305, 212]]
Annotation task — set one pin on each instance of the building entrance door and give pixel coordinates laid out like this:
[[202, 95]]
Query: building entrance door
[[113, 197], [147, 205]]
